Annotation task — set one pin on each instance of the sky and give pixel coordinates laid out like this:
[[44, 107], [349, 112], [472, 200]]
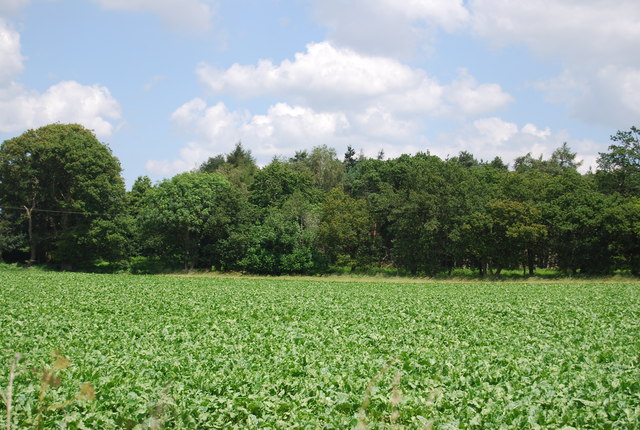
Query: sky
[[166, 84]]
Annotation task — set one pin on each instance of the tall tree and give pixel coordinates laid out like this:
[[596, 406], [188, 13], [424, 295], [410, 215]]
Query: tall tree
[[345, 233], [465, 159], [64, 180], [564, 158], [238, 166], [282, 242], [275, 183], [186, 216], [323, 166], [619, 169], [350, 158]]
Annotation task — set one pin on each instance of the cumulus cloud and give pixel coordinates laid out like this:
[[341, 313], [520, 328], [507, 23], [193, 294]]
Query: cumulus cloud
[[323, 73], [594, 40], [327, 77], [326, 95], [215, 129], [10, 56], [487, 138], [388, 27], [68, 101], [580, 31], [466, 97], [184, 14], [609, 95]]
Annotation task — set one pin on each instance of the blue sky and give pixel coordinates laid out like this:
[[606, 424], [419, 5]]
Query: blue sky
[[168, 83]]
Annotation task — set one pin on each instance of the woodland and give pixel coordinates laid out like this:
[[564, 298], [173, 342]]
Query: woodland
[[64, 205]]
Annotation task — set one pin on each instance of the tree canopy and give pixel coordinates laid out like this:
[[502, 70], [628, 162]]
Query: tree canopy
[[63, 202], [57, 183]]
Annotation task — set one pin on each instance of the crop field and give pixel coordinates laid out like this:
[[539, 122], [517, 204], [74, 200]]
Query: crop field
[[122, 351]]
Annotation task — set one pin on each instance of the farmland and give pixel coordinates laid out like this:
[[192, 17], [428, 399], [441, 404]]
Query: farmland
[[172, 352]]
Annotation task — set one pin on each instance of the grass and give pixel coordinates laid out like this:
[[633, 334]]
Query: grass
[[213, 352]]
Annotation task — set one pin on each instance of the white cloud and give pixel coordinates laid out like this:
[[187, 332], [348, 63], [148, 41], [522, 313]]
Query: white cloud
[[609, 95], [330, 78], [282, 130], [388, 27], [68, 101], [594, 40], [580, 31], [487, 138], [10, 56], [326, 95], [184, 14], [466, 97], [323, 74]]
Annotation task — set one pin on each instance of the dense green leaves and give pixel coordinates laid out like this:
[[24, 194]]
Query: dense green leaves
[[620, 167], [190, 216], [62, 201], [346, 232], [211, 353], [56, 182]]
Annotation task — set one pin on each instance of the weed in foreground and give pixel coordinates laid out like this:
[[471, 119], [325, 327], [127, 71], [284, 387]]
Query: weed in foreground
[[50, 377]]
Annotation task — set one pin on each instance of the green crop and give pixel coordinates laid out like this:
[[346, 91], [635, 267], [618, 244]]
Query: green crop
[[211, 353]]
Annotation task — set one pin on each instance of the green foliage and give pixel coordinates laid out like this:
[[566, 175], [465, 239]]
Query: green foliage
[[562, 159], [141, 265], [275, 183], [428, 202], [190, 216], [283, 241], [62, 203], [212, 353], [465, 159], [11, 238], [345, 232], [238, 166], [620, 167], [324, 167], [64, 181]]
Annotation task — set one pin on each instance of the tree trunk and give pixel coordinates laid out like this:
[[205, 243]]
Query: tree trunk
[[32, 243], [531, 263]]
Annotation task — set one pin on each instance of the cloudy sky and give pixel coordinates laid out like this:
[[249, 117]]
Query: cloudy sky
[[168, 83]]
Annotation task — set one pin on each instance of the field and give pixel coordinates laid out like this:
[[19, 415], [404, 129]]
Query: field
[[200, 353]]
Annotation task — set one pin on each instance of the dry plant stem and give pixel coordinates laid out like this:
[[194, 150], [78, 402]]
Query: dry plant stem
[[362, 412], [9, 394], [43, 391], [396, 398]]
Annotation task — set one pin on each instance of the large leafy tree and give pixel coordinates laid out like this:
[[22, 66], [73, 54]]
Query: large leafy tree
[[59, 182], [562, 159], [345, 233], [430, 200], [619, 169], [326, 170], [621, 228], [238, 166], [282, 242], [510, 232], [276, 183], [189, 218]]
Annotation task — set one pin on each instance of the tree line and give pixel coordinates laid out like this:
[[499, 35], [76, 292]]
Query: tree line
[[63, 203]]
